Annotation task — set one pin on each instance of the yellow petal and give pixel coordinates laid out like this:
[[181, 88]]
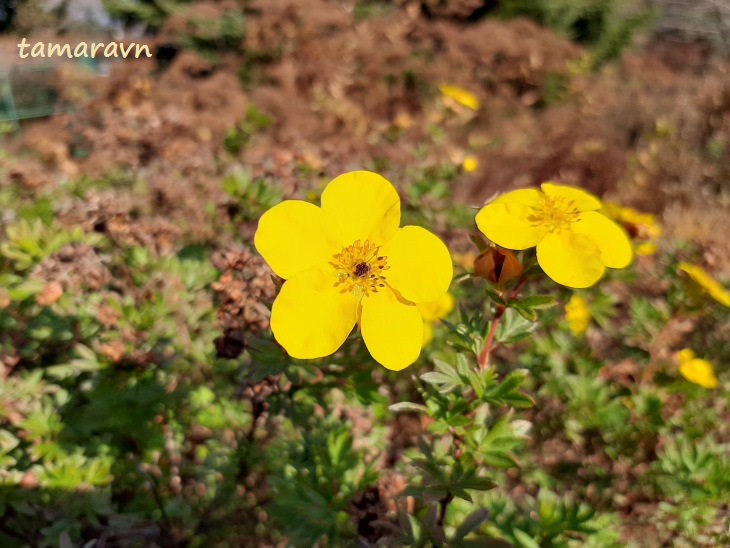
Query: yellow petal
[[707, 282], [311, 318], [507, 225], [610, 238], [584, 201], [699, 372], [419, 264], [525, 196], [392, 329], [570, 259], [294, 236], [364, 205], [686, 355], [461, 96]]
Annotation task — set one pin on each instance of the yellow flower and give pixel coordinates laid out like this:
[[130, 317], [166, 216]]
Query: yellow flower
[[347, 262], [696, 370], [707, 282], [433, 312], [641, 226], [470, 163], [577, 315], [574, 242], [461, 96]]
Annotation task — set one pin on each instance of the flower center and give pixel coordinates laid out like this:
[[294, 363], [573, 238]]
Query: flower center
[[554, 213], [359, 268]]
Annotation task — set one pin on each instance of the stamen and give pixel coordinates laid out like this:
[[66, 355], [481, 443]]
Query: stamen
[[554, 213], [359, 269]]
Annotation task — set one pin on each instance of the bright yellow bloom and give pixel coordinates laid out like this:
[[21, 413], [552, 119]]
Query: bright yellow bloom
[[641, 226], [574, 242], [470, 164], [577, 315], [461, 96], [347, 262], [696, 370], [433, 312], [707, 282]]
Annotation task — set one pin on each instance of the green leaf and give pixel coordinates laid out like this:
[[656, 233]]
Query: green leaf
[[513, 327], [536, 302], [524, 539], [406, 406], [518, 399], [477, 483], [471, 523]]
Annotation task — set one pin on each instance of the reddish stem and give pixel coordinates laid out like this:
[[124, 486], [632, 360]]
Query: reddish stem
[[487, 349]]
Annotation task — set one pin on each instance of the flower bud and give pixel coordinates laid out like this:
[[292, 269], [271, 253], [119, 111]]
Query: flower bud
[[498, 265]]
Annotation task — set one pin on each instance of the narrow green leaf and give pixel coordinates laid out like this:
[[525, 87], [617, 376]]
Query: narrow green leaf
[[470, 523], [525, 540], [406, 406]]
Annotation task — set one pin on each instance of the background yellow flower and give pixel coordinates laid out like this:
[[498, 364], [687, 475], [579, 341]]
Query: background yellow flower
[[643, 227], [577, 315], [347, 262], [460, 95], [707, 283], [433, 312], [696, 370], [574, 242]]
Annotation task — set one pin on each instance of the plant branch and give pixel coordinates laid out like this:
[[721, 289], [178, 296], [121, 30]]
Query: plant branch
[[489, 340]]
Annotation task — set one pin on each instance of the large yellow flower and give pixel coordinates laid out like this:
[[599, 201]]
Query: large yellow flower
[[347, 262], [574, 242]]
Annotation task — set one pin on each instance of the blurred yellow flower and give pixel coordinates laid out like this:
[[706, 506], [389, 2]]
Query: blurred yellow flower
[[470, 163], [464, 260], [461, 96], [348, 263], [577, 315], [696, 370], [575, 243], [433, 312], [707, 282], [642, 227]]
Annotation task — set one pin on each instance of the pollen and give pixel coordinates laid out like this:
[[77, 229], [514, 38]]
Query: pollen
[[554, 213], [360, 269]]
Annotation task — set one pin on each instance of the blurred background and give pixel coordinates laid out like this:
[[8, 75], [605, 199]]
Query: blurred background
[[141, 399]]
